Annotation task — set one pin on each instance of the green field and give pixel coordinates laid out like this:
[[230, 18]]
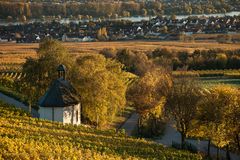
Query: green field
[[211, 81], [213, 77]]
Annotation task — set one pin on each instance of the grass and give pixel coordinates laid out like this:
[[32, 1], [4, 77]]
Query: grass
[[23, 137]]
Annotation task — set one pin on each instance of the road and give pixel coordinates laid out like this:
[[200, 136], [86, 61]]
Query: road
[[18, 104], [171, 134], [130, 124]]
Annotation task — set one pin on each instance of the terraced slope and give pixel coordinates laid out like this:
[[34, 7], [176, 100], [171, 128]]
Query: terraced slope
[[22, 137]]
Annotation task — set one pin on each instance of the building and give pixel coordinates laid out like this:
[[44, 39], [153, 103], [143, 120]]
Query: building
[[61, 101]]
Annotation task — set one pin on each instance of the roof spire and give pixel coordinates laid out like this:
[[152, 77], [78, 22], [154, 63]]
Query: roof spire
[[61, 71]]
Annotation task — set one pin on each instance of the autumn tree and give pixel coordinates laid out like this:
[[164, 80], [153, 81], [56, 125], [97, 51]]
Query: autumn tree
[[134, 62], [102, 34], [182, 103], [148, 96], [162, 57], [109, 52], [102, 85], [221, 60], [27, 10], [41, 71], [144, 12], [218, 117], [126, 14]]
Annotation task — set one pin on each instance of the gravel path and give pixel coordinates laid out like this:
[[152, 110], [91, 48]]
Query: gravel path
[[171, 134], [16, 103], [130, 124]]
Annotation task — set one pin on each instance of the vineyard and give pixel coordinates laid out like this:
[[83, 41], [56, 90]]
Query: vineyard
[[210, 78], [23, 137], [15, 75], [230, 73], [11, 75]]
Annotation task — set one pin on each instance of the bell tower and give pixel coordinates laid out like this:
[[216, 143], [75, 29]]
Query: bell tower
[[61, 71]]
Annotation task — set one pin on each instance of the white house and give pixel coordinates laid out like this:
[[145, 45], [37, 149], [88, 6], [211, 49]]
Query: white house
[[61, 103]]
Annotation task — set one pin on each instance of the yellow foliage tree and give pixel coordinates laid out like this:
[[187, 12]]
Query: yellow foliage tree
[[218, 115], [181, 104], [147, 95], [102, 86]]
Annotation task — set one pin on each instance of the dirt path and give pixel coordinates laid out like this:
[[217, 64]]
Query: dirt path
[[130, 124], [16, 103]]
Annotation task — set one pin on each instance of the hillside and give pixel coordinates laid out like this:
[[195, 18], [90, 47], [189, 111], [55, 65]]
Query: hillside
[[22, 137]]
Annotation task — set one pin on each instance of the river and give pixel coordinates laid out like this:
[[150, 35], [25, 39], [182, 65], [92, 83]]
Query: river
[[133, 19]]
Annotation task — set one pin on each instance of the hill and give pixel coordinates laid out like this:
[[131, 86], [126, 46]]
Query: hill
[[23, 137]]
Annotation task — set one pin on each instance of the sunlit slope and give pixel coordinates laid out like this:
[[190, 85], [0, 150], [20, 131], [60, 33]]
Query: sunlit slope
[[22, 137]]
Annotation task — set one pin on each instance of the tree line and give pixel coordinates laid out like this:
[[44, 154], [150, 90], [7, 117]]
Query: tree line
[[211, 114], [199, 59], [137, 62], [97, 9]]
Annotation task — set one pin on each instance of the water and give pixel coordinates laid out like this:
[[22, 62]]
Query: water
[[133, 19], [234, 13]]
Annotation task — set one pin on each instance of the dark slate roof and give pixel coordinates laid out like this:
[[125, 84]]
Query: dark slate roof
[[60, 94], [61, 68]]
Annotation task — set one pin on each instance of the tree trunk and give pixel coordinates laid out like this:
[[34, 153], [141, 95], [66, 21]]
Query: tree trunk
[[217, 153], [97, 121], [209, 146], [183, 137], [139, 125], [52, 114], [154, 127], [238, 141], [30, 108], [228, 153]]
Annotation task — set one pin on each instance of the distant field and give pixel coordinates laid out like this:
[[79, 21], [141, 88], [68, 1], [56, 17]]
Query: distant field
[[212, 81], [210, 78], [16, 53], [214, 37]]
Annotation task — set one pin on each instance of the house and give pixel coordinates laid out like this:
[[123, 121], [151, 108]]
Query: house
[[61, 103]]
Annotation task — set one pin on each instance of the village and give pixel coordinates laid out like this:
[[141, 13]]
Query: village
[[158, 28]]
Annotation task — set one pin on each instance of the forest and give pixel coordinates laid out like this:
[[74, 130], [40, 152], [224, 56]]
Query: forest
[[108, 9]]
